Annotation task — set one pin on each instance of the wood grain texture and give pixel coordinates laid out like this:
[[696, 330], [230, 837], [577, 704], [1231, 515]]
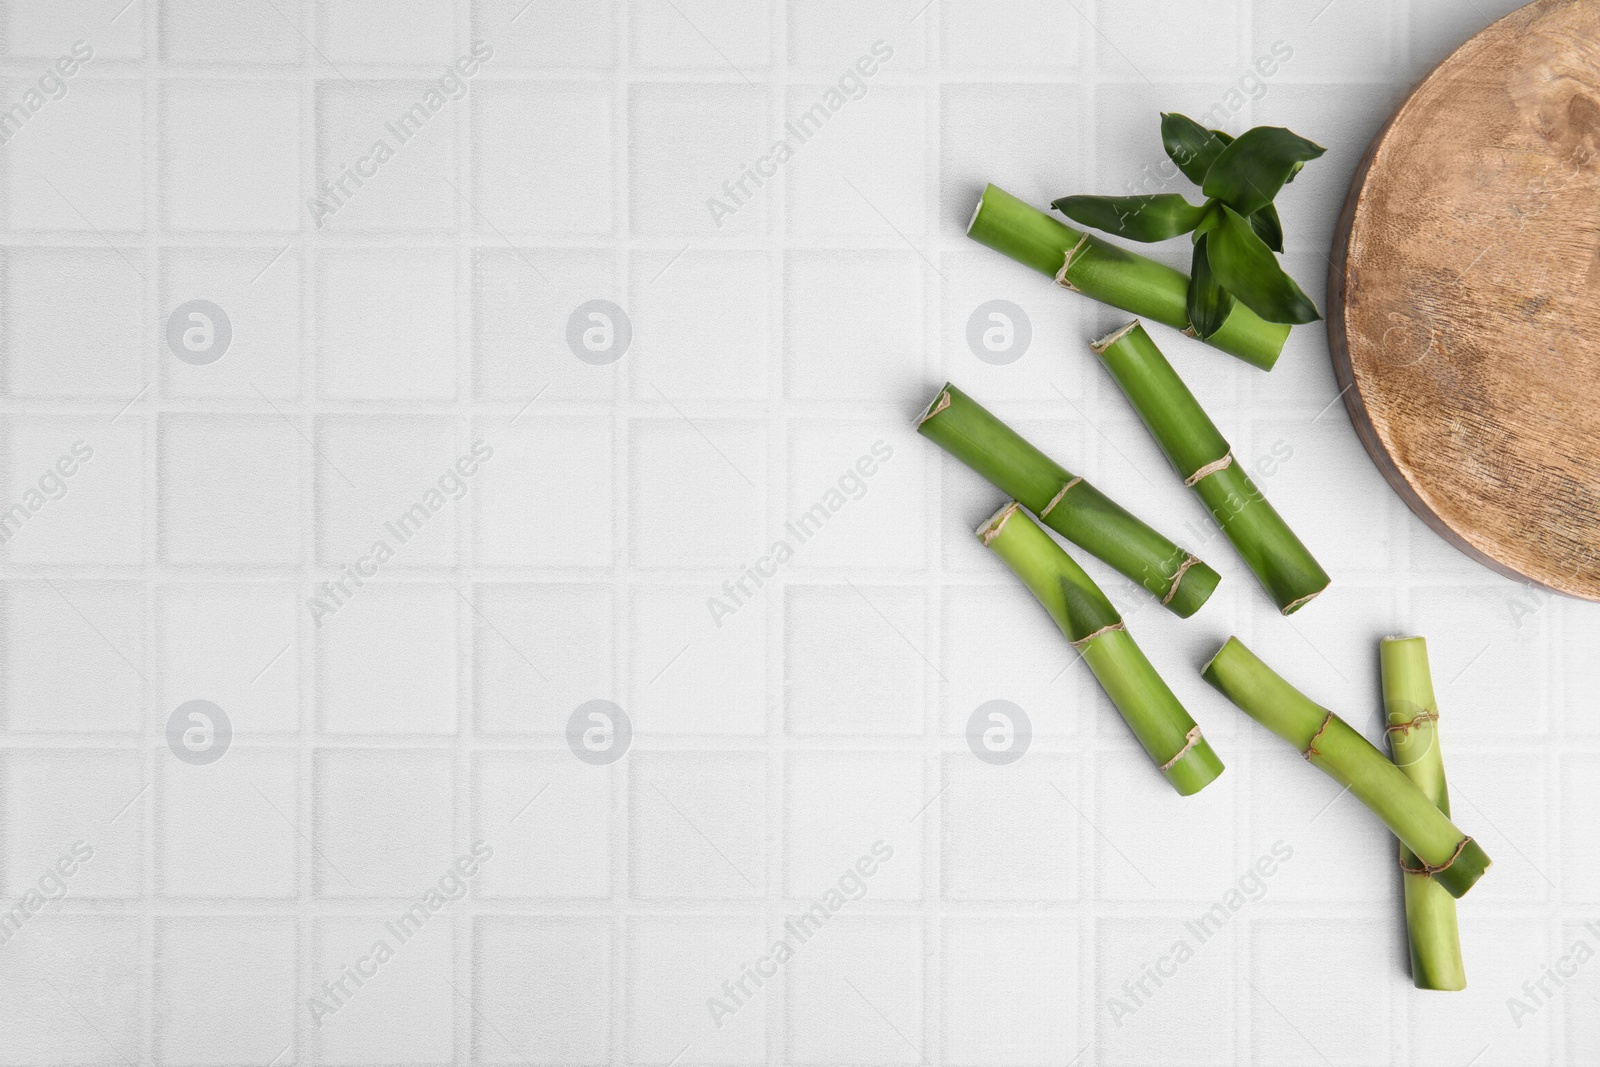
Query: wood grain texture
[[1464, 297]]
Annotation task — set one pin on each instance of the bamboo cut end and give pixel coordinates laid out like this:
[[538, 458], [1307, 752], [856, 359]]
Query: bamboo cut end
[[997, 522], [1295, 605], [977, 209], [1097, 347], [936, 405]]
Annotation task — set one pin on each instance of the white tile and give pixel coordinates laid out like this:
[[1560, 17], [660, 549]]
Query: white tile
[[74, 323], [675, 644], [194, 31], [698, 826], [1500, 954], [831, 35], [1506, 803], [90, 837], [1007, 833], [983, 34], [236, 645], [853, 326], [1354, 40], [383, 822], [85, 967], [702, 328], [79, 485], [1166, 845], [521, 185], [549, 818], [856, 488], [540, 651], [386, 662], [702, 34], [389, 480], [227, 829], [387, 31], [829, 981], [675, 966], [863, 174], [408, 190], [225, 990], [1008, 135], [541, 990], [258, 289], [1161, 37], [230, 489], [848, 672], [999, 644], [406, 1013], [1008, 991], [386, 325], [47, 31], [219, 173], [1485, 658], [687, 140], [75, 656], [1341, 852], [696, 496], [1580, 795], [522, 303], [1150, 1024], [544, 498], [78, 163], [1299, 1023], [562, 33], [837, 808]]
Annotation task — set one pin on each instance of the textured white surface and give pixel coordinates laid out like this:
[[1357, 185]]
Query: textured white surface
[[374, 745]]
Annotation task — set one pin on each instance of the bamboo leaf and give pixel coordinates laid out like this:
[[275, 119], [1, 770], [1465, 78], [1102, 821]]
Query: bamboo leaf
[[1247, 268], [1268, 227], [1138, 218], [1251, 170], [1190, 145], [1209, 303]]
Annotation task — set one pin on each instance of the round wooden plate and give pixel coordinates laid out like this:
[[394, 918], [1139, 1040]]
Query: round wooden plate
[[1464, 297]]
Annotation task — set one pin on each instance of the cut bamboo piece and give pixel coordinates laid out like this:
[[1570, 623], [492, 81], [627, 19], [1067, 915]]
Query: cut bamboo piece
[[1066, 503], [1455, 860], [1112, 275], [1413, 732], [1203, 459], [1082, 612]]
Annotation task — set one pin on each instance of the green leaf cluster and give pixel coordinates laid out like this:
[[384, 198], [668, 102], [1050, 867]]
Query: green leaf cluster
[[1236, 232]]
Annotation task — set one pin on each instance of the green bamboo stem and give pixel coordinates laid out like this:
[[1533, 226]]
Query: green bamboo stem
[[1413, 732], [1066, 503], [1191, 441], [1086, 617], [1455, 860], [1112, 275]]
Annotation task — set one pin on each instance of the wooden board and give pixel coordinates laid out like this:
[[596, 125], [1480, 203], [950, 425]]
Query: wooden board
[[1464, 297]]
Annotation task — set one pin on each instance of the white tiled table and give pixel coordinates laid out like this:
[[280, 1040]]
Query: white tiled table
[[375, 743]]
